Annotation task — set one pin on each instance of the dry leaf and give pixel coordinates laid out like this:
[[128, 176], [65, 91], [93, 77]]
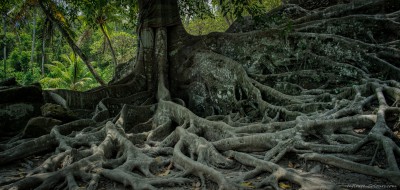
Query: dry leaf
[[290, 165], [158, 159], [247, 184], [166, 170], [284, 185]]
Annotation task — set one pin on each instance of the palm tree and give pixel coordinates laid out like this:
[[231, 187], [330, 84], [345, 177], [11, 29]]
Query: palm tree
[[69, 73], [57, 18]]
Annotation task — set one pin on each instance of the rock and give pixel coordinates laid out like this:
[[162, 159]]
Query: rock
[[9, 82], [21, 94], [39, 126], [17, 106], [198, 100], [58, 112]]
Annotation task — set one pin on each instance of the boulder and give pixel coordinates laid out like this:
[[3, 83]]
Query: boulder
[[17, 106], [21, 94], [58, 112], [39, 126], [8, 82]]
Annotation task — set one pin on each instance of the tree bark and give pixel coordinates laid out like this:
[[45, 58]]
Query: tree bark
[[154, 19], [72, 44]]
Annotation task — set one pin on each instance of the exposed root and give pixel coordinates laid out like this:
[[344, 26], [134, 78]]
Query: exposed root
[[232, 109]]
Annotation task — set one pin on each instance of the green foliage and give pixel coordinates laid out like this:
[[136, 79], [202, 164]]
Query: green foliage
[[216, 16], [30, 76], [70, 73], [6, 6], [82, 19], [19, 60], [124, 45], [105, 73], [206, 25], [236, 8]]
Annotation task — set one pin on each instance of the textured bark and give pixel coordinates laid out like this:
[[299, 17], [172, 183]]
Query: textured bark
[[238, 110]]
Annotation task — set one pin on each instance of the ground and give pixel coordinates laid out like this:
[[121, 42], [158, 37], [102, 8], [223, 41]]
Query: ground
[[305, 101]]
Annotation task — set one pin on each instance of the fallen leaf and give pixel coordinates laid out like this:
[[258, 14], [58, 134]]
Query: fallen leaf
[[284, 185], [158, 159], [247, 184], [166, 170], [290, 165]]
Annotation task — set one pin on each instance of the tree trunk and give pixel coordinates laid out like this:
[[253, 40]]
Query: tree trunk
[[72, 44], [109, 45], [33, 40], [43, 52], [5, 46], [156, 18]]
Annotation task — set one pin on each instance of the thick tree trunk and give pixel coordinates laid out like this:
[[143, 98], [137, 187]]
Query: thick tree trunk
[[156, 18], [72, 44]]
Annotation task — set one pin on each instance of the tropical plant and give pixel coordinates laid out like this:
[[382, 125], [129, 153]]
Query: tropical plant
[[203, 26], [123, 42], [69, 73]]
